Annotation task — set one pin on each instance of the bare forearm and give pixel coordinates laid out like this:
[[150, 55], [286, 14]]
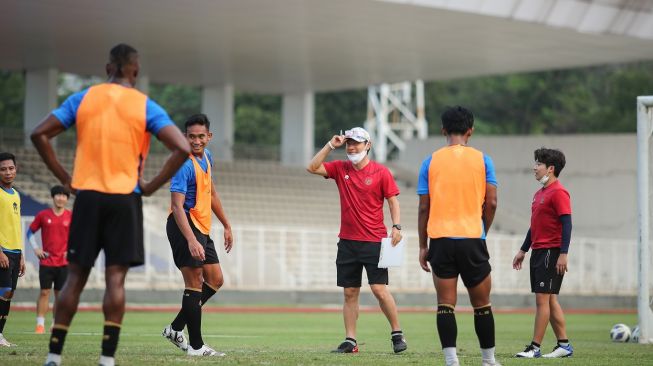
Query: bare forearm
[[218, 210], [395, 212], [44, 147], [488, 216], [319, 158], [169, 168], [182, 222]]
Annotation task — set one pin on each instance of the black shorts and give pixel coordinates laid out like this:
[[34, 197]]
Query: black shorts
[[52, 275], [109, 222], [544, 275], [179, 245], [352, 257], [9, 275], [468, 258]]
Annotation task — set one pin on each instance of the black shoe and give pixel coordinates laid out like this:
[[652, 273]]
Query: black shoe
[[348, 346], [399, 342]]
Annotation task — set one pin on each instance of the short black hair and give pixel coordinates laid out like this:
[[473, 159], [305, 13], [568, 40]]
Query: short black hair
[[7, 156], [551, 157], [457, 120], [197, 119], [59, 190], [121, 55]]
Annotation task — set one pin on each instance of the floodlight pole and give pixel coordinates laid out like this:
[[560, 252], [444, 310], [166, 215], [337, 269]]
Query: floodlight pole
[[408, 119], [644, 129]]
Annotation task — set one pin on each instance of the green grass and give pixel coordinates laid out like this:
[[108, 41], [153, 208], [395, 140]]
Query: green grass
[[306, 339]]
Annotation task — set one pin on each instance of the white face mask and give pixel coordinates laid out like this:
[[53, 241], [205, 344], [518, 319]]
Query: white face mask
[[544, 179], [357, 158]]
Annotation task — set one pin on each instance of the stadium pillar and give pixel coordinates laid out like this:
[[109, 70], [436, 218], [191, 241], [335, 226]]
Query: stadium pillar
[[218, 105], [297, 130], [40, 98]]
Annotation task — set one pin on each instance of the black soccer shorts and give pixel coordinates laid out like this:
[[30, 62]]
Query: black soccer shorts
[[109, 222], [544, 275], [352, 257], [179, 245], [467, 257]]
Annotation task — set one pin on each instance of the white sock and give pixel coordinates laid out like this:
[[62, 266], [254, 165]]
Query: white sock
[[488, 355], [450, 356], [107, 361], [53, 358], [40, 320]]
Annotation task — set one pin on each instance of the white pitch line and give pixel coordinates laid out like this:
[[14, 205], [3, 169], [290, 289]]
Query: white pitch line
[[95, 334]]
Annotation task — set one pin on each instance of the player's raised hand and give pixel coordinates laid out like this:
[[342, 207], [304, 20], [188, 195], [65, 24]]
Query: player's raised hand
[[337, 140], [196, 250], [228, 239], [517, 261], [423, 253]]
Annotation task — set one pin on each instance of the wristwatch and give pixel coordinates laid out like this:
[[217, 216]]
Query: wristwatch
[[397, 226]]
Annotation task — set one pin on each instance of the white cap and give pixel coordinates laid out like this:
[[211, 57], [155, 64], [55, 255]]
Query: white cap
[[357, 133]]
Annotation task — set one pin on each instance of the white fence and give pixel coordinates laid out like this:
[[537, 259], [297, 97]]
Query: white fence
[[277, 258]]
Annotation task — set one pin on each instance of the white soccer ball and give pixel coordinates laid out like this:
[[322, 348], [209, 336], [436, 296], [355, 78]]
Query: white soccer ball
[[634, 336], [620, 333]]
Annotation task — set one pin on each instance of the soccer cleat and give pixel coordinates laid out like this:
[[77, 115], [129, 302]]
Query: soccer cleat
[[4, 342], [40, 329], [399, 343], [560, 351], [51, 363], [176, 337], [348, 346], [530, 352], [204, 351]]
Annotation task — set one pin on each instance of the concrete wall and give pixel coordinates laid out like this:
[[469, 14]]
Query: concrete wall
[[600, 175]]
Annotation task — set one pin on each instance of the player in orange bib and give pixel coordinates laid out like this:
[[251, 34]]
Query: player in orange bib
[[114, 122], [193, 200], [457, 191]]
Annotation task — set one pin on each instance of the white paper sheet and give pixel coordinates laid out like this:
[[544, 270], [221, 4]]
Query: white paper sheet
[[391, 256]]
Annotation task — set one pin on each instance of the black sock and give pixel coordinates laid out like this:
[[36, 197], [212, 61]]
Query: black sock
[[207, 293], [190, 306], [57, 338], [179, 323], [351, 339], [396, 333], [4, 312], [447, 328], [484, 326], [110, 339], [535, 344]]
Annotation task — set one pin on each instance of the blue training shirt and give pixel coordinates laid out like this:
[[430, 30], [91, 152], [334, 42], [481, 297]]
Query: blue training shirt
[[184, 181]]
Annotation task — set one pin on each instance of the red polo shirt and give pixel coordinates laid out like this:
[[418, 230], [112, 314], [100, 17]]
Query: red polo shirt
[[549, 203], [54, 236], [361, 198]]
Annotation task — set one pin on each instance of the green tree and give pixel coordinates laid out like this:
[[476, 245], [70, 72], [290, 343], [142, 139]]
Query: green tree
[[12, 98]]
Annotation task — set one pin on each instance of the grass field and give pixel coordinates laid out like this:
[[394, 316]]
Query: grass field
[[307, 338]]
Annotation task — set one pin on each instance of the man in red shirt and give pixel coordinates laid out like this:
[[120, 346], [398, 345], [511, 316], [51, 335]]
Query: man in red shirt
[[363, 185], [53, 266], [549, 236]]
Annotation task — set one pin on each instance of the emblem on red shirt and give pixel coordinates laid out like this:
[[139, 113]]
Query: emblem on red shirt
[[368, 181]]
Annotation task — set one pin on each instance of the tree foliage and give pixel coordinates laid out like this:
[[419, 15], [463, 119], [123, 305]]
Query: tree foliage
[[587, 100]]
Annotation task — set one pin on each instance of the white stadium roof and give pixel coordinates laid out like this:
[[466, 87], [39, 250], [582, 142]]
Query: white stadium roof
[[296, 45]]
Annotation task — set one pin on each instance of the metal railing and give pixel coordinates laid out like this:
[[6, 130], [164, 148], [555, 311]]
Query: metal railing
[[278, 258]]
